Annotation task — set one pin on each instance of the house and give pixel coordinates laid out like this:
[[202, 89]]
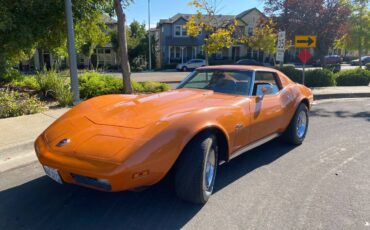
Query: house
[[174, 45]]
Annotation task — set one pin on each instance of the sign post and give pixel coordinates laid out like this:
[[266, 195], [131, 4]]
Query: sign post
[[305, 41], [281, 48], [304, 56]]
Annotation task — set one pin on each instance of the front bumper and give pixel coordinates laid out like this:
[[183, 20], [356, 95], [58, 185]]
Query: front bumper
[[95, 174]]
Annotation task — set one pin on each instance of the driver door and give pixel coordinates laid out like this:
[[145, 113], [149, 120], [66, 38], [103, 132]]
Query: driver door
[[266, 106]]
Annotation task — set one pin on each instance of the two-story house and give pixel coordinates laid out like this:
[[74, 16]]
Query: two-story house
[[176, 46]]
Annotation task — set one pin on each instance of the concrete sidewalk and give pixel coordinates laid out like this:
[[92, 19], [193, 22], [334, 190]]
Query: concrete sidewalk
[[341, 92], [18, 134]]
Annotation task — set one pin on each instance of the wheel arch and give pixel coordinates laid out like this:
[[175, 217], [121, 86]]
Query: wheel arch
[[222, 138]]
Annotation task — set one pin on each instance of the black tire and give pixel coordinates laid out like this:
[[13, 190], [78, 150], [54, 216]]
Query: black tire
[[184, 68], [292, 135], [190, 173]]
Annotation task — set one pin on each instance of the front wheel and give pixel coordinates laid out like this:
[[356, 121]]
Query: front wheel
[[184, 68], [196, 169], [297, 129]]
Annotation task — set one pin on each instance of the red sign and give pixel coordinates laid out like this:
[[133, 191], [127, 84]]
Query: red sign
[[304, 56]]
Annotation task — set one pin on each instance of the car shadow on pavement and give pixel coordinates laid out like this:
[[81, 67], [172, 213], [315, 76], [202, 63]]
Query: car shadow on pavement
[[43, 204]]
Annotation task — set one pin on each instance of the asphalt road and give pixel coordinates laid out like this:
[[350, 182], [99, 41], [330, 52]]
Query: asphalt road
[[322, 184]]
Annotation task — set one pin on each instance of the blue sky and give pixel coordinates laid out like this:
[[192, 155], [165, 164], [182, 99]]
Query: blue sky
[[162, 9]]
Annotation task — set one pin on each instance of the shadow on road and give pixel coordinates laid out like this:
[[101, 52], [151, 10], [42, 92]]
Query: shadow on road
[[43, 204], [340, 114]]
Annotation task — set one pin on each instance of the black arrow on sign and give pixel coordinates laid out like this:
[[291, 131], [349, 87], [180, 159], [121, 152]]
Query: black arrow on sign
[[309, 41]]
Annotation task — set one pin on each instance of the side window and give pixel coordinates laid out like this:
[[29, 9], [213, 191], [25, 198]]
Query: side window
[[264, 79]]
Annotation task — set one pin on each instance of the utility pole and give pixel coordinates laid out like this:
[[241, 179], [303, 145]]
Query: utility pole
[[72, 52], [150, 39]]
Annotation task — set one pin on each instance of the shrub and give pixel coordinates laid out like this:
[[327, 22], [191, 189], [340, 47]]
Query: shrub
[[294, 74], [9, 75], [319, 78], [93, 84], [368, 66], [55, 87], [335, 68], [354, 77], [153, 87], [16, 104], [29, 82]]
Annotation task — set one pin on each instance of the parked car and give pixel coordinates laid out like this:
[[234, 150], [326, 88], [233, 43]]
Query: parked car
[[190, 65], [364, 61], [330, 60], [123, 142], [249, 62]]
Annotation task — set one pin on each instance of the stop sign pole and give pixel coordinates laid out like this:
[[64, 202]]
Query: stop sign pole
[[304, 56]]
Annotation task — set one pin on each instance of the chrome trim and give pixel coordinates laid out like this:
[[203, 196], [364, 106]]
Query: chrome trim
[[252, 84], [254, 145]]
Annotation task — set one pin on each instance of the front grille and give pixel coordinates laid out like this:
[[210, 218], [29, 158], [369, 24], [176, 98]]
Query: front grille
[[94, 182]]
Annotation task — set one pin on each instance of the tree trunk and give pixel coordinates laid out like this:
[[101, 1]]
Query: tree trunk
[[125, 65]]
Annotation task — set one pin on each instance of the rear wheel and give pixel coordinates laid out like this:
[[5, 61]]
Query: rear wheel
[[184, 68], [196, 169], [297, 129]]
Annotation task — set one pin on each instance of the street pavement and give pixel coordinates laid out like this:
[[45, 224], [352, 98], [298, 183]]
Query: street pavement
[[322, 184]]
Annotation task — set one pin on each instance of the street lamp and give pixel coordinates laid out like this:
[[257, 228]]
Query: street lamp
[[72, 52], [150, 39]]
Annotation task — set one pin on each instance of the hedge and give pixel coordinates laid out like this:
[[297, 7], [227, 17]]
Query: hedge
[[319, 78], [313, 78], [353, 77], [368, 66]]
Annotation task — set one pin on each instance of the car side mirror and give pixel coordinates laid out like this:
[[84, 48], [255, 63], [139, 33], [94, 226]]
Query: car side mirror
[[266, 89]]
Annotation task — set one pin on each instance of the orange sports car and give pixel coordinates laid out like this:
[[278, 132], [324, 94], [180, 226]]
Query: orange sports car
[[125, 142]]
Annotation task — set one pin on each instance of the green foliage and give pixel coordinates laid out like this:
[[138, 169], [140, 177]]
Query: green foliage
[[354, 77], [52, 85], [26, 25], [93, 84], [319, 78], [313, 78], [29, 82], [335, 68], [368, 66], [290, 71], [8, 75], [14, 104]]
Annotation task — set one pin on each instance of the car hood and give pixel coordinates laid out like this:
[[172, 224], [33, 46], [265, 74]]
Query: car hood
[[141, 111]]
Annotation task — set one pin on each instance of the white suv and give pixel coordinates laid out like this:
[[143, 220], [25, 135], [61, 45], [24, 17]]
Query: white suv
[[192, 64]]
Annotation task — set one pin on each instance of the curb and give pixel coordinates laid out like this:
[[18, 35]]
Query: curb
[[17, 156], [340, 95]]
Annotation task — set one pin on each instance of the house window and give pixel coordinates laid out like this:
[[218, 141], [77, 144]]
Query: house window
[[177, 31], [181, 31], [175, 52], [219, 54], [107, 51], [184, 31], [201, 50]]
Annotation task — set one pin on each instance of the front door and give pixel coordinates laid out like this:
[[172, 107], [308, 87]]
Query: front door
[[266, 106]]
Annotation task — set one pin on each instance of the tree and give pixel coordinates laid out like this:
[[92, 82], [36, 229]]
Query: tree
[[324, 18], [218, 33], [122, 41], [264, 37], [27, 25], [357, 36]]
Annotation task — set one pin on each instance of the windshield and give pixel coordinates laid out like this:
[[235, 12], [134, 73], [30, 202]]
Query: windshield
[[220, 81]]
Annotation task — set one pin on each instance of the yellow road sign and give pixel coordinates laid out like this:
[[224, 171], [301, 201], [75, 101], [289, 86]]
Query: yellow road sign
[[306, 41]]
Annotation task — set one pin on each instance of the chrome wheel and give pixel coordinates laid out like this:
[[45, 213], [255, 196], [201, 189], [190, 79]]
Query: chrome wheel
[[301, 124], [210, 168]]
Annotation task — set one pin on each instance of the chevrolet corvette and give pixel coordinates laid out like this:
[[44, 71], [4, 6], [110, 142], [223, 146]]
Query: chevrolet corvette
[[126, 142]]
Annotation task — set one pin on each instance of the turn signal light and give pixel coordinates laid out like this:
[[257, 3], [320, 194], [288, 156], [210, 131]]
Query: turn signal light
[[140, 174]]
